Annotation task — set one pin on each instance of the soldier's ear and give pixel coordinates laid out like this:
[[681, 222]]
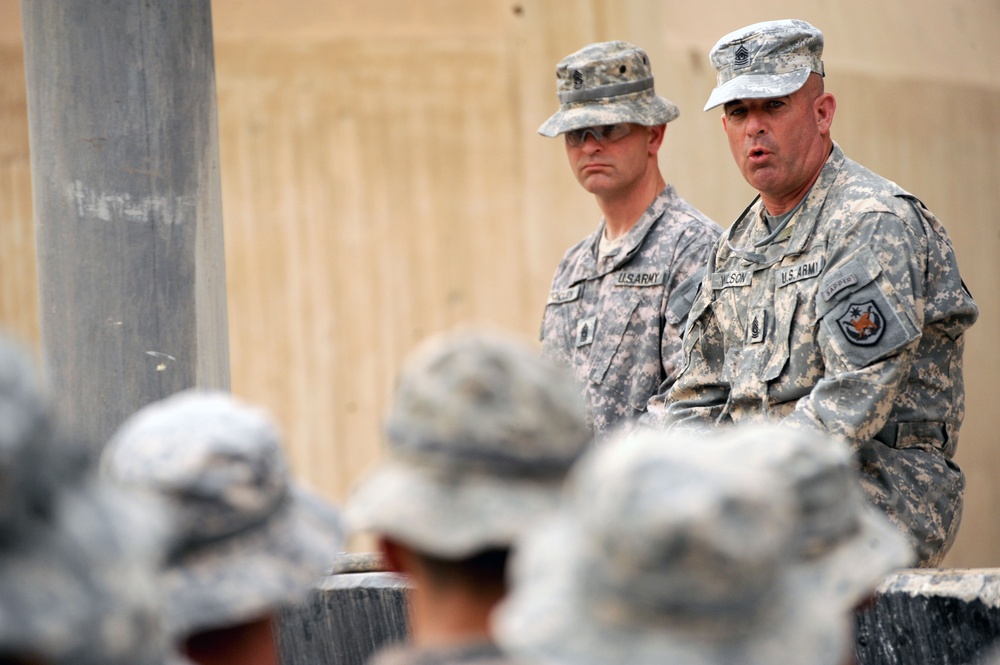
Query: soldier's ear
[[824, 107], [393, 558], [656, 133]]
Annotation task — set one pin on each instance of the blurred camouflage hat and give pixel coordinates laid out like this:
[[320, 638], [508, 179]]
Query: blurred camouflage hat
[[76, 561], [604, 84], [840, 543], [481, 432], [661, 557], [763, 60], [248, 541]]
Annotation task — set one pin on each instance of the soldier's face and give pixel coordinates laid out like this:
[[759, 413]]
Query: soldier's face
[[611, 168], [781, 143]]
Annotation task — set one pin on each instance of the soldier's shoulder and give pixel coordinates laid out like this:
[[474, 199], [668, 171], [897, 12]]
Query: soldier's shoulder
[[862, 190]]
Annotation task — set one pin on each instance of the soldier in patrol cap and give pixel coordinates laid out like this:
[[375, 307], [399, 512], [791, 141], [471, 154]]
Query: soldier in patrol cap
[[481, 433], [77, 558], [248, 540], [620, 297], [659, 555], [835, 303]]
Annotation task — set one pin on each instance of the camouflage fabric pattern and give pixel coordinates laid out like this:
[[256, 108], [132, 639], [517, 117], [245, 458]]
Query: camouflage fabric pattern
[[605, 84], [76, 557], [660, 556], [475, 653], [839, 543], [481, 432], [765, 60], [248, 542], [617, 323], [850, 323]]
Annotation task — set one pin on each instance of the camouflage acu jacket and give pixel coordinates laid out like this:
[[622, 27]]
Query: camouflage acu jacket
[[851, 322], [617, 323]]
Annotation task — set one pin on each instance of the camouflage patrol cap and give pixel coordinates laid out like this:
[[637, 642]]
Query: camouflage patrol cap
[[659, 556], [248, 542], [763, 60], [481, 432], [840, 543], [604, 84]]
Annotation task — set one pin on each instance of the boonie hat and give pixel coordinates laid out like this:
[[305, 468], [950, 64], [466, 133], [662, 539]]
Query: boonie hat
[[247, 542], [481, 432], [605, 84], [660, 557], [764, 60], [840, 543], [77, 558]]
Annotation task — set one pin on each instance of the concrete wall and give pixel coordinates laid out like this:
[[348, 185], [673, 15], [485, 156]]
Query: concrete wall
[[382, 181]]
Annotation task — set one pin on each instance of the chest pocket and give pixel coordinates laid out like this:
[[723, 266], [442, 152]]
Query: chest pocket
[[611, 339]]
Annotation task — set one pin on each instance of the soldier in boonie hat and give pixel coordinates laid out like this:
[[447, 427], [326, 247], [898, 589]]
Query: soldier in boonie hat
[[77, 558], [764, 60], [481, 433], [605, 84], [247, 542], [660, 557], [840, 543], [614, 124]]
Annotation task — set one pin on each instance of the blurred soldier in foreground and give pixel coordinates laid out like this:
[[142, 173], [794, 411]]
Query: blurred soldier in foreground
[[835, 304], [77, 559], [667, 550], [248, 541], [620, 298], [481, 433]]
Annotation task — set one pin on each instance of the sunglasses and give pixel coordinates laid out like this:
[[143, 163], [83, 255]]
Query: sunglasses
[[601, 134]]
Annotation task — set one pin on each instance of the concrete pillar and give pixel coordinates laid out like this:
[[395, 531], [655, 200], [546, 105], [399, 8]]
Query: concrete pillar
[[127, 200]]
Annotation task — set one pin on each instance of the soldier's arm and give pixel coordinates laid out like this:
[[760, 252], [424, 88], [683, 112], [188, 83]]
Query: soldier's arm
[[869, 311]]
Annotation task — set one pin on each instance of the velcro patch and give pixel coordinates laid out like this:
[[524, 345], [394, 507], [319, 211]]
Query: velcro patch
[[639, 278], [862, 324], [731, 278], [799, 271], [757, 326], [585, 331], [564, 295]]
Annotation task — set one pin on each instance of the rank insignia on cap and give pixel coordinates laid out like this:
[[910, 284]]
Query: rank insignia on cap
[[741, 57], [862, 324], [577, 79]]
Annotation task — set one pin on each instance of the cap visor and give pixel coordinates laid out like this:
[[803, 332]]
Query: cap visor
[[757, 86], [649, 112]]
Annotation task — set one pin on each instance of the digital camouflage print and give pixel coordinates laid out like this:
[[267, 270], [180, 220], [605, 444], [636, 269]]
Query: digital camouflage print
[[605, 84], [617, 322], [765, 60], [849, 322]]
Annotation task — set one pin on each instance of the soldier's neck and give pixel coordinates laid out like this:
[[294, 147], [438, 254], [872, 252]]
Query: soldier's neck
[[622, 212]]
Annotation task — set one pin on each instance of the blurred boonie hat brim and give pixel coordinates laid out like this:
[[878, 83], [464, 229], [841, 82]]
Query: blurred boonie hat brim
[[253, 573], [757, 86], [852, 571], [546, 619], [450, 514]]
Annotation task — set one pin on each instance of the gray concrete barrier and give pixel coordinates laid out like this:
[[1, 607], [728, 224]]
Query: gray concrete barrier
[[918, 617]]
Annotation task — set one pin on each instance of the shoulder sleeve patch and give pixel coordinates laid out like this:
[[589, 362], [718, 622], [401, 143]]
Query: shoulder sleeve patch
[[865, 327]]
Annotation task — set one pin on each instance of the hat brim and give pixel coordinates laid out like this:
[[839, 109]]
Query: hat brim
[[757, 86], [649, 111], [546, 619], [449, 514], [852, 571], [235, 579]]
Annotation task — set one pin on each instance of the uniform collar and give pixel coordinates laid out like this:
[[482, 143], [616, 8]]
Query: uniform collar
[[588, 268], [801, 225]]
